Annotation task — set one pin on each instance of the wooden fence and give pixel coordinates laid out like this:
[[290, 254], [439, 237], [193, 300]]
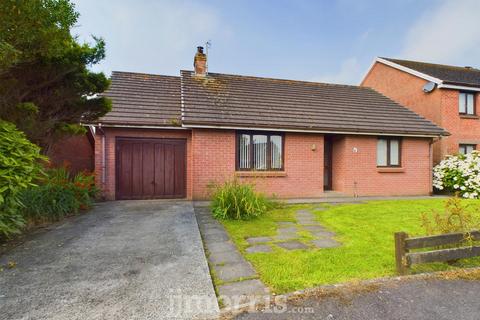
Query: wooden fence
[[403, 244]]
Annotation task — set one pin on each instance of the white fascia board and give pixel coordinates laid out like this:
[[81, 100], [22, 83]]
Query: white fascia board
[[199, 126], [411, 71], [455, 87], [368, 71]]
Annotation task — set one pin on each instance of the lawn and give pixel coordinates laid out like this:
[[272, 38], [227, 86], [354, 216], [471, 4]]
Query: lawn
[[365, 231]]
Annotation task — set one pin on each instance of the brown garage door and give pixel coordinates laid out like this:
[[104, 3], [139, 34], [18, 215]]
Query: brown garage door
[[150, 168]]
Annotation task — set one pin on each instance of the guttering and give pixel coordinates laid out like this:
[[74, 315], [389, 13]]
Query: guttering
[[135, 126], [199, 126], [456, 87]]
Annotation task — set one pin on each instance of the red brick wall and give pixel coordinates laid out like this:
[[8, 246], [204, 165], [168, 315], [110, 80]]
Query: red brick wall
[[214, 161], [463, 130], [358, 174], [405, 89], [76, 152], [108, 186], [439, 106], [211, 158]]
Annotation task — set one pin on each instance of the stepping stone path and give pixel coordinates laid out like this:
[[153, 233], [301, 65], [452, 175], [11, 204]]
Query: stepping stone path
[[287, 235], [323, 237], [237, 280]]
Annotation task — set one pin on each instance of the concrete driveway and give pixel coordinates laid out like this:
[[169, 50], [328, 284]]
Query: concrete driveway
[[122, 260]]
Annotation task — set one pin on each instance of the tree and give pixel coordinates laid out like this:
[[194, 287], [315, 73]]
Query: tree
[[46, 87]]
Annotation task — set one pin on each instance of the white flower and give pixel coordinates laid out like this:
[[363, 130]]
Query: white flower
[[456, 186]]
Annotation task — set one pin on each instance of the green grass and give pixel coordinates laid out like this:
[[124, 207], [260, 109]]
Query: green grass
[[365, 231]]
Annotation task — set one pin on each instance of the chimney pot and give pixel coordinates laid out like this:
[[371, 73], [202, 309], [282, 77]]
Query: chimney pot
[[200, 62]]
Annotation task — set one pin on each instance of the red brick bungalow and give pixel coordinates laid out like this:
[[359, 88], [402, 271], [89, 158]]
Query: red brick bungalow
[[170, 137]]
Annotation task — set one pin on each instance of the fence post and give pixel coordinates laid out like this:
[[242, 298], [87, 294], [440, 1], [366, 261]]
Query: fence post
[[400, 252]]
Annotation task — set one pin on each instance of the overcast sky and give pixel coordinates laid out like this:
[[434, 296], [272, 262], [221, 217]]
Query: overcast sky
[[328, 41]]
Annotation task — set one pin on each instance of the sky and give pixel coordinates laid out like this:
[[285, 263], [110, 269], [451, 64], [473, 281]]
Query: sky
[[324, 41]]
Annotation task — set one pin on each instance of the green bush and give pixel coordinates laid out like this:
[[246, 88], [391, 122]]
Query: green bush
[[58, 195], [49, 202], [19, 167], [239, 201]]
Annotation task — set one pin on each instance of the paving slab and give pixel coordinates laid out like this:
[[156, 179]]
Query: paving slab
[[314, 228], [286, 224], [213, 230], [225, 257], [204, 226], [239, 292], [326, 243], [323, 234], [259, 248], [235, 271], [254, 240], [221, 246], [292, 245], [286, 236], [217, 237], [287, 230], [306, 221]]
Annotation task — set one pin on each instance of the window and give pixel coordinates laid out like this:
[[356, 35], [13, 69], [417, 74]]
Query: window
[[466, 148], [388, 152], [466, 103], [259, 151]]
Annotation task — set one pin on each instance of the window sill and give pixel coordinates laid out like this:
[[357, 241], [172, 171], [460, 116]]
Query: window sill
[[390, 170], [469, 116], [260, 174]]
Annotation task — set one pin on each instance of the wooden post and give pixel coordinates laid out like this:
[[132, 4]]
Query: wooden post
[[400, 252]]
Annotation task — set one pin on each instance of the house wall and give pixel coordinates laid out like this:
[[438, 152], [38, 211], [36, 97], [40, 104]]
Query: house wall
[[76, 153], [211, 158], [463, 129], [108, 186], [214, 161], [357, 174], [406, 89], [439, 106]]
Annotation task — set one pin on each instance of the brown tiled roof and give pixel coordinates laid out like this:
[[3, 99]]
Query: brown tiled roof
[[465, 76], [143, 99], [241, 101]]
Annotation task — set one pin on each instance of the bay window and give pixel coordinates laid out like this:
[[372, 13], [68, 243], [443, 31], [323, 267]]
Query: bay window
[[259, 151]]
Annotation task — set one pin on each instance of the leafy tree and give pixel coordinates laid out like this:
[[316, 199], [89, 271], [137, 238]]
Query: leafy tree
[[46, 87]]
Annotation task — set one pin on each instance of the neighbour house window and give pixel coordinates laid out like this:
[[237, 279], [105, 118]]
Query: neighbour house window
[[388, 152], [466, 103], [259, 151], [466, 148]]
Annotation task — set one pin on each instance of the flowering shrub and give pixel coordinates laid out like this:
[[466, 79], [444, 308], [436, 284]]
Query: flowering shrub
[[460, 174]]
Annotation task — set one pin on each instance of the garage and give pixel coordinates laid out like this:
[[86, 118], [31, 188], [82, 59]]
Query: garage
[[150, 168]]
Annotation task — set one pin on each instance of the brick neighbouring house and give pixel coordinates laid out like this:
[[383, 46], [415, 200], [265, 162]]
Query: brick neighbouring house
[[170, 137], [450, 103]]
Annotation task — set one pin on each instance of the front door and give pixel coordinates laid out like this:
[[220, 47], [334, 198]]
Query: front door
[[150, 168], [327, 163]]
